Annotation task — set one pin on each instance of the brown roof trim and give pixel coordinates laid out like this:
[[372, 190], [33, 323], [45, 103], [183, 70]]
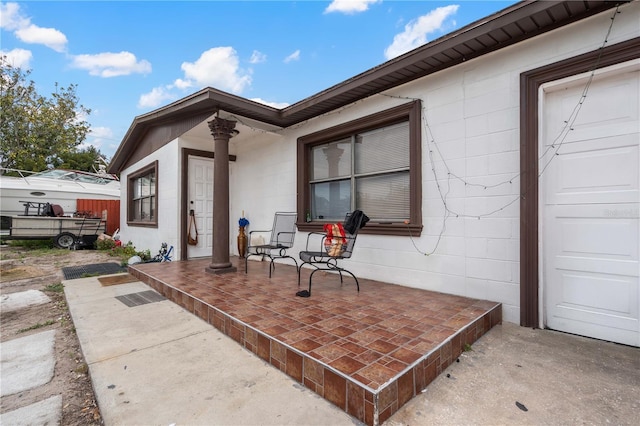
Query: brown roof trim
[[519, 22]]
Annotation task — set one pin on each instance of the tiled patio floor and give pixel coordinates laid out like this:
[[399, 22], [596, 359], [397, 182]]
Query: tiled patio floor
[[368, 353]]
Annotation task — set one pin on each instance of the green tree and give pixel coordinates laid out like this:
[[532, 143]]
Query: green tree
[[36, 132], [86, 159]]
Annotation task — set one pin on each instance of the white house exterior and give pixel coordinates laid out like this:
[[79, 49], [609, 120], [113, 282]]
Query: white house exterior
[[557, 246]]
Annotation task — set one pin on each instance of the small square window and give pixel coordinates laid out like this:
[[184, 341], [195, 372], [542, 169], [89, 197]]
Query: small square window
[[142, 202]]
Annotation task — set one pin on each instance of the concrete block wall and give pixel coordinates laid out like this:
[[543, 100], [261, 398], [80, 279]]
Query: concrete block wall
[[470, 129], [169, 192]]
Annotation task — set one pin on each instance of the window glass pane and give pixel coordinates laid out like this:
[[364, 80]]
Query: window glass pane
[[146, 208], [330, 200], [142, 197], [152, 212], [144, 183], [152, 183], [386, 148], [136, 209], [331, 160], [384, 197], [136, 188]]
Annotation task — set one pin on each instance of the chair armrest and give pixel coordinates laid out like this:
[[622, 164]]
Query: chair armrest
[[249, 245], [283, 232], [322, 236], [251, 232]]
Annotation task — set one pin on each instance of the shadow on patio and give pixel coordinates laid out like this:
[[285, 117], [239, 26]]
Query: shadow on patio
[[368, 353]]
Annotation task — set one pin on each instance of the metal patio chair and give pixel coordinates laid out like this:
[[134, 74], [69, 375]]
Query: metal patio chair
[[282, 233], [328, 255]]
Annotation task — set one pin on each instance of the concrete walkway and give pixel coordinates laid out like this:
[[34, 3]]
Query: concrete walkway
[[27, 362], [23, 299], [157, 364]]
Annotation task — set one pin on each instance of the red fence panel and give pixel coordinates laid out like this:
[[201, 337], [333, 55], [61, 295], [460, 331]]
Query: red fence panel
[[102, 208]]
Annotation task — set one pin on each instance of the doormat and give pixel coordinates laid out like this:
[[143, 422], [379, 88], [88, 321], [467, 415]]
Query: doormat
[[140, 298], [117, 279], [82, 271]]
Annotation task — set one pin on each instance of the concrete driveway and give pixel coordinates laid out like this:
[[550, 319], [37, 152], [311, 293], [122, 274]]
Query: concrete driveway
[[520, 376]]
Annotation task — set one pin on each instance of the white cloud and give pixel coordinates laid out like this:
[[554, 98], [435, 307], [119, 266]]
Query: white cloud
[[183, 84], [12, 20], [349, 7], [158, 96], [278, 105], [18, 58], [257, 57], [111, 64], [295, 56], [98, 137], [217, 67], [49, 37], [101, 132], [415, 32]]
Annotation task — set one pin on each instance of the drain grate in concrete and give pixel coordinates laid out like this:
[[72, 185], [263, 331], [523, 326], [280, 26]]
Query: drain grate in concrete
[[141, 298], [73, 272]]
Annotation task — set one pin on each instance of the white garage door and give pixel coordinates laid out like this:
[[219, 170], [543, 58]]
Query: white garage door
[[590, 206]]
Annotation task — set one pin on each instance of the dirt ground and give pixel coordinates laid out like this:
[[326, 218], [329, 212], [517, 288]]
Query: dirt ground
[[22, 270]]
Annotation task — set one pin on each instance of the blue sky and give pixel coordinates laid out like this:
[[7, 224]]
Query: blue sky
[[128, 58]]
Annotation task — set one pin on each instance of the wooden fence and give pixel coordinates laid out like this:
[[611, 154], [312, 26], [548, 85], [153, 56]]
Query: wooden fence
[[107, 209]]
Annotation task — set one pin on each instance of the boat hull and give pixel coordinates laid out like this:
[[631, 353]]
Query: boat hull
[[17, 191]]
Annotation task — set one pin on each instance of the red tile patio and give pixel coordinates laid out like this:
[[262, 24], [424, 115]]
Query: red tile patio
[[367, 352]]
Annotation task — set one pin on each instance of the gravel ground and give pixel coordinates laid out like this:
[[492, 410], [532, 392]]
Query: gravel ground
[[24, 269]]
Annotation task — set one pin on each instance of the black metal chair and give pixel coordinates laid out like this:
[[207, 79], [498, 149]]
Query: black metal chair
[[282, 233], [327, 259]]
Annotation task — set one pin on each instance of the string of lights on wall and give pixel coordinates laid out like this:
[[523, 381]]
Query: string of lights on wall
[[433, 148], [554, 147]]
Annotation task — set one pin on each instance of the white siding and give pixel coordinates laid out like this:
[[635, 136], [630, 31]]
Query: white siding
[[144, 238], [473, 115], [472, 111]]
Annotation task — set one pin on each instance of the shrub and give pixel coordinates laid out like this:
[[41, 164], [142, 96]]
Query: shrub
[[125, 252], [106, 244]]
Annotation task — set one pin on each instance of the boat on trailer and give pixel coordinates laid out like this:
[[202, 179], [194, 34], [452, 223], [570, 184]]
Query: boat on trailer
[[54, 186], [44, 205]]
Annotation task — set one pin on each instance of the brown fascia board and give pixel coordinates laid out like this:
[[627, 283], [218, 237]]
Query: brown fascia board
[[140, 125], [206, 100], [368, 83]]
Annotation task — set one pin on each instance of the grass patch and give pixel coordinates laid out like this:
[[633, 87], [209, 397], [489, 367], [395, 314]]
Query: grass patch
[[82, 368], [467, 347], [37, 326], [32, 244], [37, 248], [92, 274], [55, 288]]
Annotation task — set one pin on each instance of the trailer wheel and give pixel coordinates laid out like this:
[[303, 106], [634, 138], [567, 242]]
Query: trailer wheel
[[64, 240]]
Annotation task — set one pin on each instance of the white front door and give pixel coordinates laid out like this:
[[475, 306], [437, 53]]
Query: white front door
[[201, 202], [590, 206]]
